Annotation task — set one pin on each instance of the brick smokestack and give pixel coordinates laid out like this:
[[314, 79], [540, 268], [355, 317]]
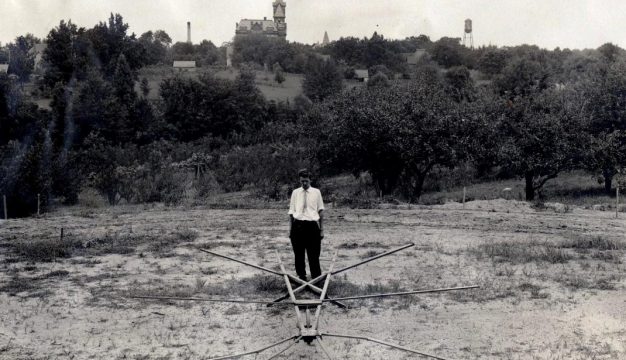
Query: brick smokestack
[[189, 32]]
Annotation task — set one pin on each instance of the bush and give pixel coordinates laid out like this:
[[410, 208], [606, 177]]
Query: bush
[[265, 167], [380, 79]]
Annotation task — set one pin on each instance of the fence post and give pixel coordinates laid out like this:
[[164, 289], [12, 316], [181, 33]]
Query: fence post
[[38, 204], [4, 200], [464, 197], [617, 201]]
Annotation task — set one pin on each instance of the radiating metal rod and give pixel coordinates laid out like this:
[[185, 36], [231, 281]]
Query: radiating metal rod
[[291, 294], [302, 287], [285, 349], [324, 349], [384, 343], [256, 351], [372, 259], [242, 262], [309, 284], [208, 300], [324, 290], [404, 293]]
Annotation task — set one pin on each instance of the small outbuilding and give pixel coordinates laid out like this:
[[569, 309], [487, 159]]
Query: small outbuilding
[[185, 65], [362, 75]]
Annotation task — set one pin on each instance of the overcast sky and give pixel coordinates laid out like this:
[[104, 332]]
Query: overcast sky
[[547, 23]]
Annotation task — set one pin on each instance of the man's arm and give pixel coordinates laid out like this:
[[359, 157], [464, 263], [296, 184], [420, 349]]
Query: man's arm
[[321, 222], [320, 211], [292, 210]]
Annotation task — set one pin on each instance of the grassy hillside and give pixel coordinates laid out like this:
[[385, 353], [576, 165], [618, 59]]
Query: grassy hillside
[[290, 88]]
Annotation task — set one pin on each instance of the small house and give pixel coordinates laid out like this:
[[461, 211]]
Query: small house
[[361, 75], [185, 65]]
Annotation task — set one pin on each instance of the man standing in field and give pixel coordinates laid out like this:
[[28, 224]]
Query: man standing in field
[[306, 229]]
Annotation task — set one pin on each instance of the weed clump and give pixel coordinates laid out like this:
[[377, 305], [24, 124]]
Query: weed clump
[[595, 242], [520, 253], [50, 249]]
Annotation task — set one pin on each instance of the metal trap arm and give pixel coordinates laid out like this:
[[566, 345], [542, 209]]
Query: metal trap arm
[[371, 259], [242, 262], [265, 302], [259, 350], [384, 343], [403, 293]]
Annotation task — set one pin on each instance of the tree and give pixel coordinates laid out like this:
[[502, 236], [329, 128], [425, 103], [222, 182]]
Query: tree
[[605, 95], [492, 61], [541, 137], [459, 83], [206, 53], [22, 58], [222, 108], [155, 49], [67, 55], [448, 52], [94, 109], [109, 40], [322, 80], [279, 77], [145, 87], [380, 79], [25, 172], [124, 90], [522, 77], [397, 134]]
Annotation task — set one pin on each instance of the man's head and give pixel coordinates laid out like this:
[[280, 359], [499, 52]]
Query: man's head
[[305, 178]]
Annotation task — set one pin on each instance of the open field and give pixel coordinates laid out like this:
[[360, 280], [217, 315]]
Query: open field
[[290, 88], [553, 284]]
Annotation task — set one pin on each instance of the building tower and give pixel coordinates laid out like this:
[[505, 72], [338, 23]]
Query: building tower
[[279, 17], [326, 41], [467, 35], [188, 32]]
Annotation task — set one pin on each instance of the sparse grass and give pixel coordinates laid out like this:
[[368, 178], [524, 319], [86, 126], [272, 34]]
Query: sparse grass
[[255, 287], [489, 290], [208, 245], [18, 284], [534, 290], [44, 250], [520, 253], [342, 287], [50, 249], [369, 244], [597, 242], [54, 274], [585, 281]]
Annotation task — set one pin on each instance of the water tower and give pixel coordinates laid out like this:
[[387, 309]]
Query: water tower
[[468, 37]]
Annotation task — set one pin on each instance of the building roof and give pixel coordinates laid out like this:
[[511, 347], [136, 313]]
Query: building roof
[[4, 68], [184, 64], [256, 25], [361, 74], [38, 48], [325, 41]]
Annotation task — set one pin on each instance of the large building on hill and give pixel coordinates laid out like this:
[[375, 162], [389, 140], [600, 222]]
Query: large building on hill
[[273, 28]]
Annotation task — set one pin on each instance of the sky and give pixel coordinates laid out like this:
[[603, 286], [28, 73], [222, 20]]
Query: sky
[[574, 24]]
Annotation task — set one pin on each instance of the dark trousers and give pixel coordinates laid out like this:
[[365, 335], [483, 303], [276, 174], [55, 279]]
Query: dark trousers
[[305, 237]]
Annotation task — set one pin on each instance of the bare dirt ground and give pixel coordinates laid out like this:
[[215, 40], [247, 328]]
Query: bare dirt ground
[[552, 284]]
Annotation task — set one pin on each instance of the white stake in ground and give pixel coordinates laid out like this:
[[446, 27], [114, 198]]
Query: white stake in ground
[[308, 329]]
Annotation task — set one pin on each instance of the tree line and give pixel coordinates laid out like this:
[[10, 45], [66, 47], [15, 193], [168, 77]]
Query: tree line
[[520, 112]]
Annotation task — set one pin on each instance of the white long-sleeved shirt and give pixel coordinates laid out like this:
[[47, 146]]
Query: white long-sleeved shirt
[[314, 204]]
